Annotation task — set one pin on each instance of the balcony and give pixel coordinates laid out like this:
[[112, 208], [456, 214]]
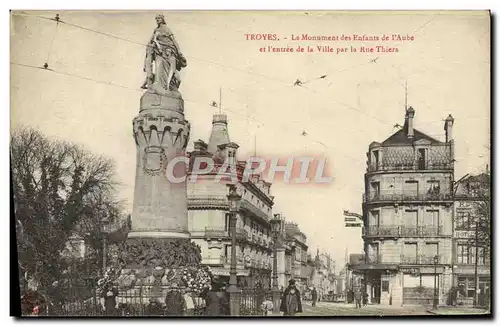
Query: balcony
[[382, 231], [410, 166], [406, 196], [419, 260], [421, 231], [241, 234], [403, 231], [247, 206]]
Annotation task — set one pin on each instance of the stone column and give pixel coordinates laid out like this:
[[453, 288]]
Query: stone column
[[161, 134], [280, 252]]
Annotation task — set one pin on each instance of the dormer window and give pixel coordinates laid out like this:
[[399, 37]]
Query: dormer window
[[421, 159]]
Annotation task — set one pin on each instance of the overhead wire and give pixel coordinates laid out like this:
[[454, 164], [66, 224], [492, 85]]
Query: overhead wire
[[202, 60]]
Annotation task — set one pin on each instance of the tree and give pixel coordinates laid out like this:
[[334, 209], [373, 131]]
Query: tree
[[59, 189], [480, 187], [476, 190]]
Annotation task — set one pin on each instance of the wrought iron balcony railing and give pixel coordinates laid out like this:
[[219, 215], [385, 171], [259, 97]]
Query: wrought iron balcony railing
[[403, 231], [420, 260], [401, 196], [241, 234], [415, 166]]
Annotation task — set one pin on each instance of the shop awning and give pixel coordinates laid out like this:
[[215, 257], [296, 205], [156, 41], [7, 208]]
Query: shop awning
[[368, 267]]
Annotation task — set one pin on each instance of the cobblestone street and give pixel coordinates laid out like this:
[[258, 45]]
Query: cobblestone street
[[343, 309]]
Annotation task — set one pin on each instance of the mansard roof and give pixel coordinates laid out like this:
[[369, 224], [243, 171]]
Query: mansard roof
[[400, 137]]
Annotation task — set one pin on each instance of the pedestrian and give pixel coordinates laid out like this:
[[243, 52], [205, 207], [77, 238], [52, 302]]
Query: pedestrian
[[314, 296], [174, 301], [365, 298], [267, 306], [261, 294], [290, 302], [110, 301], [357, 298]]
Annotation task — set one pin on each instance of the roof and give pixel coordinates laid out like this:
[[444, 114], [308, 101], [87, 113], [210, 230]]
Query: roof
[[400, 138]]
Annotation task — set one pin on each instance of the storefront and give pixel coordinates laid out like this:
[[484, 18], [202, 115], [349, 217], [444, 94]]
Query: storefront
[[422, 284], [466, 290]]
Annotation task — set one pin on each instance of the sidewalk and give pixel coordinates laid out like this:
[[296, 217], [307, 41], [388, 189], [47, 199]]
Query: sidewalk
[[459, 311]]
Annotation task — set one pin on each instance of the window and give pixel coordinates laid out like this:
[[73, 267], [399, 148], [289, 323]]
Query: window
[[375, 156], [227, 222], [432, 220], [410, 218], [385, 286], [374, 258], [410, 252], [466, 254], [375, 190], [431, 249], [463, 220], [421, 159], [375, 220], [462, 253], [433, 189], [410, 190]]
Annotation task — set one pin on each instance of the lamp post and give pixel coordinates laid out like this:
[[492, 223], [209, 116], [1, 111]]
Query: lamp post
[[275, 228], [234, 200], [104, 230], [435, 301]]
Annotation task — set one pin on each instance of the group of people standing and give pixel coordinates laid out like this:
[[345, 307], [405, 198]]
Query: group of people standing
[[360, 297]]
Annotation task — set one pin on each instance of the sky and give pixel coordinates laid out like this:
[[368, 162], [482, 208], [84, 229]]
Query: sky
[[446, 70]]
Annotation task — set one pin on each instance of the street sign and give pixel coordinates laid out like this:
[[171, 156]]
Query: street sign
[[347, 213], [353, 225], [350, 219], [464, 234]]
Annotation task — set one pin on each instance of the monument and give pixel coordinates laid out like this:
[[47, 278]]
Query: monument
[[158, 250]]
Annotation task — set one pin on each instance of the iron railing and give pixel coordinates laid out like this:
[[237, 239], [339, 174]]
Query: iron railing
[[401, 196], [241, 234], [403, 231], [410, 166], [420, 260], [252, 299], [143, 300]]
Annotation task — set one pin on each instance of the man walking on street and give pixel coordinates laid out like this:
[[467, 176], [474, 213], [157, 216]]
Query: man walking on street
[[314, 296], [357, 297]]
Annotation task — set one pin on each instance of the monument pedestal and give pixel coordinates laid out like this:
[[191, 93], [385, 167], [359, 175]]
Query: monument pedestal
[[158, 248]]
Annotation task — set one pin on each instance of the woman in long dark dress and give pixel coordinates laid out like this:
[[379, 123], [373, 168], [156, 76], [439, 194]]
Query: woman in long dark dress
[[290, 302]]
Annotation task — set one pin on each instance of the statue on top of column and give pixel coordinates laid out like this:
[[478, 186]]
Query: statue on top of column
[[163, 60]]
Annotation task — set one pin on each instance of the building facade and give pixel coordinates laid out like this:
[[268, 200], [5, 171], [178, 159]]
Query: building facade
[[209, 218], [407, 212], [323, 276], [296, 242], [465, 265]]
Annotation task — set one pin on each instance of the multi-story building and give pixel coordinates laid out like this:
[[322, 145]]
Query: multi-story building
[[323, 275], [468, 201], [407, 212], [209, 218], [296, 240]]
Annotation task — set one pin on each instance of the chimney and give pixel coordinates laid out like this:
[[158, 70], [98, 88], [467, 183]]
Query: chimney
[[448, 124], [410, 113]]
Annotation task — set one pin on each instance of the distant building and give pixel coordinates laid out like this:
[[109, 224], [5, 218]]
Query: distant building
[[464, 242], [297, 243], [408, 210], [209, 218], [323, 276]]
